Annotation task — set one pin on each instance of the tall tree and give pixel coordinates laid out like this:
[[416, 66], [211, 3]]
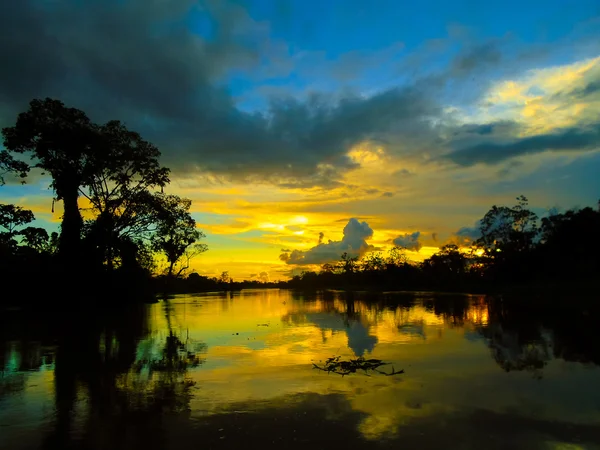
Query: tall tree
[[58, 140], [121, 188], [508, 238], [508, 230]]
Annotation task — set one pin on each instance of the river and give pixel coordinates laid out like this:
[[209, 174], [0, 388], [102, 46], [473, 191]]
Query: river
[[235, 370]]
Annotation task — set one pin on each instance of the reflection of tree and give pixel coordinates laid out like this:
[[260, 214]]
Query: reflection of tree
[[575, 332], [176, 356], [452, 308], [126, 396], [516, 337], [512, 353], [513, 327]]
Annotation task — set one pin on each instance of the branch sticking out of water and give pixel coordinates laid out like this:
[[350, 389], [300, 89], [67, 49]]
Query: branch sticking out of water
[[335, 365]]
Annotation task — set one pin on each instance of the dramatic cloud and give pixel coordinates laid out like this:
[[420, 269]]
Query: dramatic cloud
[[409, 241], [150, 65], [354, 243], [165, 70], [570, 139]]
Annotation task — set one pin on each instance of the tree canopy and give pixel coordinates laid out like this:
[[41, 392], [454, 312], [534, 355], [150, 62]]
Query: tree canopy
[[121, 180]]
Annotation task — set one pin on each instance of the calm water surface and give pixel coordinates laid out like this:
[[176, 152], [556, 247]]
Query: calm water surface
[[230, 370]]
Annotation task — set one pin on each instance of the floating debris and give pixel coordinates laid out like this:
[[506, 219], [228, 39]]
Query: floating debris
[[335, 365]]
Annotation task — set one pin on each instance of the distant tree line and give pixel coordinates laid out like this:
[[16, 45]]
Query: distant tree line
[[514, 249], [114, 176]]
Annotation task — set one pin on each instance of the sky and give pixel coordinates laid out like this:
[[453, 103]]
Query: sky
[[301, 129]]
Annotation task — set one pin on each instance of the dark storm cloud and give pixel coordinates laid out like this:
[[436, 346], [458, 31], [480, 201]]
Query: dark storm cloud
[[162, 68], [569, 139], [139, 62]]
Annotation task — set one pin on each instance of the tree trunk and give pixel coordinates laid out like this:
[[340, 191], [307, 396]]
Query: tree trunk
[[72, 222]]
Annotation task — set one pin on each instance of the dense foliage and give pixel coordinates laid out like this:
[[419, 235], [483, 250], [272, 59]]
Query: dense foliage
[[133, 224]]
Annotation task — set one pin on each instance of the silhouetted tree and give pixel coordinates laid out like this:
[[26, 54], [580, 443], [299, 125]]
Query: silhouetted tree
[[120, 189], [569, 246], [396, 257], [60, 141], [505, 229], [10, 165], [448, 264], [36, 238], [373, 262], [225, 277], [508, 236], [348, 264], [176, 232], [13, 217]]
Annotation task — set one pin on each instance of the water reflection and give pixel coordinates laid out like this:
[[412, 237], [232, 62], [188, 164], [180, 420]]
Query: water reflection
[[227, 369]]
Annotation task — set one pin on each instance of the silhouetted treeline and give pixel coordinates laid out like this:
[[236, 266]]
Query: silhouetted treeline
[[195, 282], [513, 250]]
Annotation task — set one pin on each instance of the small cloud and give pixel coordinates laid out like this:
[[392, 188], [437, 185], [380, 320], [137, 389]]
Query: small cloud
[[321, 236], [387, 194], [409, 241], [354, 243], [434, 236], [264, 277]]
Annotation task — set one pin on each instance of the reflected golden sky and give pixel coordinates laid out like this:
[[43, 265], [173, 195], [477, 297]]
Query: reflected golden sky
[[448, 364], [257, 348]]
